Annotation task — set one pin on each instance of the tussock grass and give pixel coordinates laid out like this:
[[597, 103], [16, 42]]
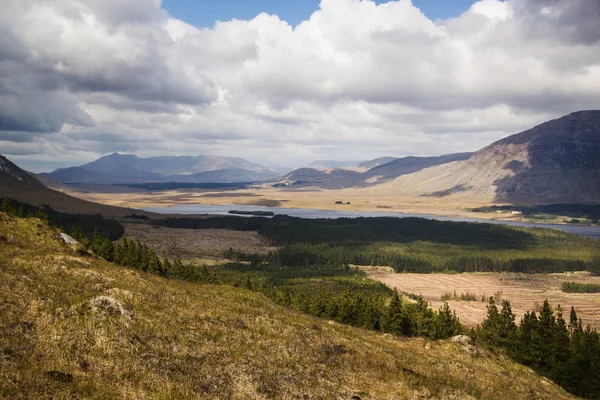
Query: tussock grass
[[74, 326]]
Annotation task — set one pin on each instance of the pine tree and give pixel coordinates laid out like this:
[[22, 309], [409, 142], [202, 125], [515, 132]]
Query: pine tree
[[167, 268], [446, 323], [97, 241], [7, 206], [40, 214], [177, 269], [396, 318], [492, 325]]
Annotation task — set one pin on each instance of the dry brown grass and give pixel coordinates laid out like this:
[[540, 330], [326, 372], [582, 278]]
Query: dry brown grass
[[360, 200], [526, 292], [61, 338]]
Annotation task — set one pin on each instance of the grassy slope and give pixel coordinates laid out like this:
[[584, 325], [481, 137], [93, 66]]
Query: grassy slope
[[181, 340]]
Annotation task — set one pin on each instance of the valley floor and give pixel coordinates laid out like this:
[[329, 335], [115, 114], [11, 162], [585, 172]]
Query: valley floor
[[359, 199], [526, 292]]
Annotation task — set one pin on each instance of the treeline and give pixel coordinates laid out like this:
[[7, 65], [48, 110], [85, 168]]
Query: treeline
[[590, 211], [416, 261], [392, 315], [285, 230], [562, 351], [224, 222], [337, 293], [575, 287], [81, 225], [341, 293], [412, 244]]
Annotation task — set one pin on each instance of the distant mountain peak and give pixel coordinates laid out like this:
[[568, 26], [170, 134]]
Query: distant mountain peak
[[117, 168]]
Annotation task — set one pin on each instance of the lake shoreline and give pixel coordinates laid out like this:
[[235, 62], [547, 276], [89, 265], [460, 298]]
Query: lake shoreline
[[313, 213]]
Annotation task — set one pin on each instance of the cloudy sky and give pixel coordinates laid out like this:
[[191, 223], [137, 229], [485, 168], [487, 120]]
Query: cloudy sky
[[347, 79]]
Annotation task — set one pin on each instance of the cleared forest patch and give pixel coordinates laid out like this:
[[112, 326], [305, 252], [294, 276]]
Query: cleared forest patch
[[526, 292], [197, 244]]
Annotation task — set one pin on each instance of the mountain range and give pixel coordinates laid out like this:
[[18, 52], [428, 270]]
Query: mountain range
[[555, 162], [128, 168]]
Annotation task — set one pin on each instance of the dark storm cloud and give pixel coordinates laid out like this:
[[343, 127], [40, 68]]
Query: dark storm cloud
[[43, 80], [575, 20]]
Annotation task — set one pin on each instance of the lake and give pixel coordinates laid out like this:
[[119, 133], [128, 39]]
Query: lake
[[591, 231]]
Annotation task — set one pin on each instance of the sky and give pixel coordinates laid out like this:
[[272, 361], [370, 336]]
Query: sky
[[204, 13], [283, 83]]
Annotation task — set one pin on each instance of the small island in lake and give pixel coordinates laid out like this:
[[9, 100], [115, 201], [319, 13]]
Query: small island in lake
[[258, 213]]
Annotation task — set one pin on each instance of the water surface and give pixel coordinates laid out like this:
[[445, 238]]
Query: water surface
[[591, 231]]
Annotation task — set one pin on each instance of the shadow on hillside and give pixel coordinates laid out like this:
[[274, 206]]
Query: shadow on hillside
[[448, 192], [562, 163]]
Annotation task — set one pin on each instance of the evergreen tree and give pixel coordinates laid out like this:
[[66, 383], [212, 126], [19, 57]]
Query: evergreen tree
[[396, 319], [167, 267], [7, 206], [446, 324]]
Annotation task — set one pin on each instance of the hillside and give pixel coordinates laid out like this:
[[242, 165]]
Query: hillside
[[24, 187], [222, 176], [73, 326], [128, 168], [358, 166], [323, 165], [313, 175], [380, 172], [555, 162]]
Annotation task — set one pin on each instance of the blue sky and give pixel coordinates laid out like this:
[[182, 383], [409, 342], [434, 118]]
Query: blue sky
[[203, 13]]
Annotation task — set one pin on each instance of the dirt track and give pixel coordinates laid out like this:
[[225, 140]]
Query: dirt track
[[524, 291]]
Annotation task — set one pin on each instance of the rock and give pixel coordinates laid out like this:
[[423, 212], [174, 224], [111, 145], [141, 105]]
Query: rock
[[109, 306], [427, 346], [461, 339], [68, 239]]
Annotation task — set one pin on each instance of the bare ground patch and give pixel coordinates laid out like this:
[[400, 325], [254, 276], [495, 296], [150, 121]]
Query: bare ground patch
[[193, 244], [526, 292]]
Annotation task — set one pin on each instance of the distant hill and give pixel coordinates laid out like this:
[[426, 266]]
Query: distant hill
[[555, 162], [26, 188], [382, 172], [323, 165], [358, 166], [367, 165], [222, 176], [128, 168]]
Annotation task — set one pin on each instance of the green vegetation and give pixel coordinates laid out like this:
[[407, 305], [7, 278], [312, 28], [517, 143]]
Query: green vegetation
[[80, 226], [463, 297], [550, 211], [311, 273], [73, 326], [564, 352], [413, 244], [574, 287], [258, 213], [136, 216], [337, 293]]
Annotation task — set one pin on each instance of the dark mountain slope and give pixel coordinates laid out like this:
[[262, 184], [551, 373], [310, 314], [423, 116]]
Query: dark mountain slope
[[555, 162], [24, 187]]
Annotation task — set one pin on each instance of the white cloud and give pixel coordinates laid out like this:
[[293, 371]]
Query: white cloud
[[356, 80]]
